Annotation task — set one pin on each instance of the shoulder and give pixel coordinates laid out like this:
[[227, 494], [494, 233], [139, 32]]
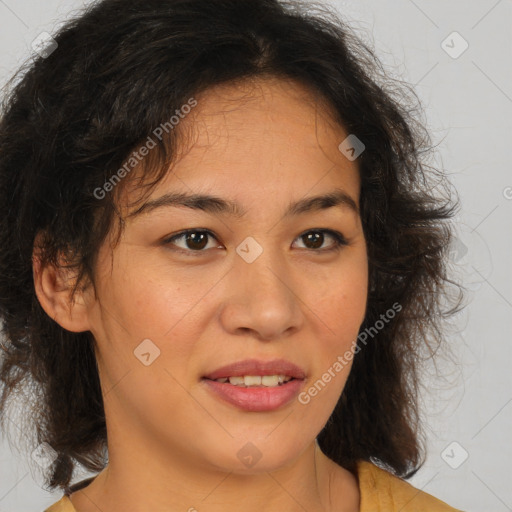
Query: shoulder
[[380, 491], [63, 505]]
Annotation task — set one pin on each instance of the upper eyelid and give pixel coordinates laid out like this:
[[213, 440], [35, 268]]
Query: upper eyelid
[[330, 232], [188, 231]]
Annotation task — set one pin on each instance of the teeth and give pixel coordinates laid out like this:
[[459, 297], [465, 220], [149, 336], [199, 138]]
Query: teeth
[[237, 381], [250, 380], [270, 381]]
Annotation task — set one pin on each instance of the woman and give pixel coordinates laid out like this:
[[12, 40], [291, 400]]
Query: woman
[[221, 261]]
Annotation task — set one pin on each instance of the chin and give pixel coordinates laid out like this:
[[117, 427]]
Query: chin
[[260, 453]]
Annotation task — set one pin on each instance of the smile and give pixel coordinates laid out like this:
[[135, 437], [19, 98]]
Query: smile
[[256, 380]]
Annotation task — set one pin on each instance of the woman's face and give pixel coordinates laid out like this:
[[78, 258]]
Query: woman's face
[[265, 283]]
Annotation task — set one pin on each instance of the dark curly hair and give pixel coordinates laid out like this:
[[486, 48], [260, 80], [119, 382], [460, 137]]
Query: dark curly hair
[[122, 68]]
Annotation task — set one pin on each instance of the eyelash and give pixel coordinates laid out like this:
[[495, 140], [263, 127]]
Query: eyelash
[[339, 239]]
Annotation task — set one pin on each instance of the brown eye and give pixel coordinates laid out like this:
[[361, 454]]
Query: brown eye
[[196, 241], [314, 239], [191, 241]]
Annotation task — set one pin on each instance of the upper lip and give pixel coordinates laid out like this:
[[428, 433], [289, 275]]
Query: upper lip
[[258, 367]]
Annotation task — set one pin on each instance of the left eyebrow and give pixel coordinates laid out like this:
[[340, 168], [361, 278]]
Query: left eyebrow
[[214, 204]]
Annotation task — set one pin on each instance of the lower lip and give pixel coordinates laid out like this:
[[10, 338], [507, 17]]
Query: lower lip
[[256, 399]]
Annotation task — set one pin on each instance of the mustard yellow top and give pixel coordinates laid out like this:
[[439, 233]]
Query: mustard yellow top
[[380, 491]]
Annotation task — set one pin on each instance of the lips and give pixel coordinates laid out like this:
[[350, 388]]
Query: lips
[[256, 398], [258, 367]]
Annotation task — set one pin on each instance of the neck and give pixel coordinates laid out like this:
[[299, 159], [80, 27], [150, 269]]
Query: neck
[[134, 481]]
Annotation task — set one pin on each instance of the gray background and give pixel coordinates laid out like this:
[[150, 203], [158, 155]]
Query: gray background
[[468, 102]]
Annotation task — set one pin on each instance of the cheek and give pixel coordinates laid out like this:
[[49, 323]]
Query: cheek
[[139, 300], [340, 306], [153, 298], [340, 299]]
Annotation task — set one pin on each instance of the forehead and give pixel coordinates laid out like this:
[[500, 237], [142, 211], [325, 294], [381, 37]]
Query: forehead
[[259, 109], [260, 134]]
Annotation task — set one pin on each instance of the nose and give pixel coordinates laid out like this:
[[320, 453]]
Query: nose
[[262, 300]]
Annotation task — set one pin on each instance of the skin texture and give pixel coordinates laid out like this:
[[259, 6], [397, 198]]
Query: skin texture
[[173, 444]]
